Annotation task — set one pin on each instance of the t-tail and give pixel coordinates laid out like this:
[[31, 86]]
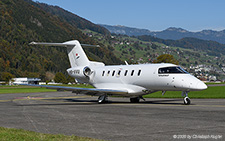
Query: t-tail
[[76, 54]]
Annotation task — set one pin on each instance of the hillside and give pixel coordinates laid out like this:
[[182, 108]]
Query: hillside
[[211, 47], [170, 33], [70, 18], [135, 50], [22, 23]]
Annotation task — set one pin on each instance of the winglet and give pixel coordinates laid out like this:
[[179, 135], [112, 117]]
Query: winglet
[[32, 43]]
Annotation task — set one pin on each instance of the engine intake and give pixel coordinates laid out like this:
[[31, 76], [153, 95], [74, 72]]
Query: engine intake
[[87, 71]]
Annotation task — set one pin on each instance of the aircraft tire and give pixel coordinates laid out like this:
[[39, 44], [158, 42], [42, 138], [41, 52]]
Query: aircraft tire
[[187, 101], [102, 99], [135, 100]]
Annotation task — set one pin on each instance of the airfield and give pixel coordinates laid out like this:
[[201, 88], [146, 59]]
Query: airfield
[[81, 115]]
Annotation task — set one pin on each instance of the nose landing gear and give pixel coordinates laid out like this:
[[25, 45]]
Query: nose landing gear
[[102, 99], [187, 100]]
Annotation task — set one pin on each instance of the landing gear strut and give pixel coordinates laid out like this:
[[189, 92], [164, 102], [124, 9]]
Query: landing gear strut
[[187, 100], [102, 99]]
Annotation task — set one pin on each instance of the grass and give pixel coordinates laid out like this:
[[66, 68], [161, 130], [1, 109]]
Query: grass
[[29, 89], [9, 134], [211, 92], [22, 89]]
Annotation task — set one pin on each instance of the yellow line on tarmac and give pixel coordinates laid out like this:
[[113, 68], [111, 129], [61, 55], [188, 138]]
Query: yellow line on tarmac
[[5, 100], [41, 98]]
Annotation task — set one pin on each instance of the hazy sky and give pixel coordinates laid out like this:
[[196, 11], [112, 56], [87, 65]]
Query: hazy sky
[[155, 15]]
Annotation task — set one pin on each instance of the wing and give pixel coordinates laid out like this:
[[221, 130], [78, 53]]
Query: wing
[[88, 91]]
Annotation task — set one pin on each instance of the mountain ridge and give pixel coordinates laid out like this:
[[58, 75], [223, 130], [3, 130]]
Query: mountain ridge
[[69, 17], [172, 33]]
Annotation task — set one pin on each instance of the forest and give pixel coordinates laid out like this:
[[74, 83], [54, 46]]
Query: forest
[[213, 48], [21, 22]]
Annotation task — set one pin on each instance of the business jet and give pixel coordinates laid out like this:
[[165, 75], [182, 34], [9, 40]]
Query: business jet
[[132, 81]]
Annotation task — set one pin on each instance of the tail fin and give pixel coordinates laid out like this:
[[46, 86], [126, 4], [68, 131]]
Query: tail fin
[[75, 52]]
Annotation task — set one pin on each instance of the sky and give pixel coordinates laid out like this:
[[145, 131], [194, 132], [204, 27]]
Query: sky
[[155, 15]]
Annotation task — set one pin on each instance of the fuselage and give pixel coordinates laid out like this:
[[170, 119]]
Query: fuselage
[[139, 78]]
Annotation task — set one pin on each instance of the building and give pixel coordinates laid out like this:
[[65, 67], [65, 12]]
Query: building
[[16, 81]]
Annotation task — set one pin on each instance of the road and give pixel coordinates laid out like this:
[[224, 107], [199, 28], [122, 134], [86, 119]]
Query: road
[[118, 120]]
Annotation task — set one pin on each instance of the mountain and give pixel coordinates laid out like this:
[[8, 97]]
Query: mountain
[[70, 18], [170, 33], [179, 33], [119, 29], [23, 22]]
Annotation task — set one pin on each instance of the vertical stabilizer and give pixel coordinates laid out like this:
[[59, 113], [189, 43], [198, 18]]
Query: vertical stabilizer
[[76, 54]]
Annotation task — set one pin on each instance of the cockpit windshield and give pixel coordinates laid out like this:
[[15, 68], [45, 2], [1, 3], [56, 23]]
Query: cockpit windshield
[[171, 70]]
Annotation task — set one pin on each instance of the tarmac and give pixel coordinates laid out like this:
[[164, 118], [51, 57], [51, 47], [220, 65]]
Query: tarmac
[[118, 120]]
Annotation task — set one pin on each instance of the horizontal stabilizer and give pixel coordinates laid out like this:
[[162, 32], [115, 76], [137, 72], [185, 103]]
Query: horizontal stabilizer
[[75, 52], [66, 44]]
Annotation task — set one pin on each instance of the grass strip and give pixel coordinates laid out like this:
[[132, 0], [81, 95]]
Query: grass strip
[[211, 92], [11, 134]]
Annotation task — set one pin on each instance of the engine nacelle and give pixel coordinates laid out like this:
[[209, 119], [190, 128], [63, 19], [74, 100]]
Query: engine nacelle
[[87, 71], [81, 73]]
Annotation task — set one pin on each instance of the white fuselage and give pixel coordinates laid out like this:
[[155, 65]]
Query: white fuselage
[[137, 79]]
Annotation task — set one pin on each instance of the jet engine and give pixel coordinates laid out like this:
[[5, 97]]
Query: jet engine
[[87, 71], [80, 73]]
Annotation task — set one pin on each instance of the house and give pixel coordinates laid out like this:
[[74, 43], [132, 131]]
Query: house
[[16, 81]]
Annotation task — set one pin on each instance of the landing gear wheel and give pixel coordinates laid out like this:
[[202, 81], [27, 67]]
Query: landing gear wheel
[[187, 101], [134, 100], [102, 99]]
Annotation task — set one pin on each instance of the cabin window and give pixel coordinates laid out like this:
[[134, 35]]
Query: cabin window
[[139, 72], [171, 70], [113, 73], [103, 73], [125, 74], [108, 73], [118, 74], [132, 72]]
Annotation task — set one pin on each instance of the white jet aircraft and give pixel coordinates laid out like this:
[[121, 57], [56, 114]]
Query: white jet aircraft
[[131, 81]]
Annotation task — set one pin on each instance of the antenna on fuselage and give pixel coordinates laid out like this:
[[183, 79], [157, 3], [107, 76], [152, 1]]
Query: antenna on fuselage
[[126, 63]]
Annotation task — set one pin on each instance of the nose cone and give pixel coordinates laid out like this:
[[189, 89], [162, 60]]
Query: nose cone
[[201, 86]]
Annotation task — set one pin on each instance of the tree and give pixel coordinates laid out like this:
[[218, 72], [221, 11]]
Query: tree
[[60, 78], [166, 58], [70, 79], [6, 76]]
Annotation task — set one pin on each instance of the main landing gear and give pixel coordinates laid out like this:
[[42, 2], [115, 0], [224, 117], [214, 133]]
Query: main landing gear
[[136, 99], [187, 100], [102, 99]]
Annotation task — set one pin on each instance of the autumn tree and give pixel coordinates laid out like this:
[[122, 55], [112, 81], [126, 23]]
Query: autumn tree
[[6, 76], [166, 58], [60, 78]]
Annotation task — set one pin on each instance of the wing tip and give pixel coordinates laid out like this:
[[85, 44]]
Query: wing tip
[[32, 43]]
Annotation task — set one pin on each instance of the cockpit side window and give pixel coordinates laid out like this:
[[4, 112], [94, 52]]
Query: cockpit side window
[[171, 70]]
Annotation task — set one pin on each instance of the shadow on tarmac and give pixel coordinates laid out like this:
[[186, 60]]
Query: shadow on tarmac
[[71, 101]]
